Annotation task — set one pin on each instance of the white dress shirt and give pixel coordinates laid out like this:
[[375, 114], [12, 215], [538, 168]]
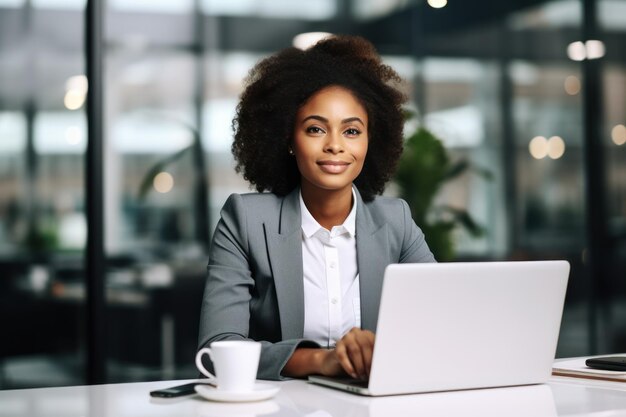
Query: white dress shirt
[[332, 304]]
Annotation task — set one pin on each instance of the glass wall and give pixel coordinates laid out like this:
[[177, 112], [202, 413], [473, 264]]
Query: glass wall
[[42, 193], [612, 22], [461, 97], [505, 95]]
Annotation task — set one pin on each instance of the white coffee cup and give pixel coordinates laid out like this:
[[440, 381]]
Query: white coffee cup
[[235, 363]]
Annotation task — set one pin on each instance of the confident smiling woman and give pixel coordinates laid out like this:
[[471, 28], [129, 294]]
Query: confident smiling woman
[[299, 265]]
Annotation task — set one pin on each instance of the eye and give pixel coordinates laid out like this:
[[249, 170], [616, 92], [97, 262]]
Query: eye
[[314, 130], [352, 132]]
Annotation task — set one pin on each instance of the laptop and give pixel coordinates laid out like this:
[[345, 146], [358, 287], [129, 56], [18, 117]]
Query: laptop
[[454, 326]]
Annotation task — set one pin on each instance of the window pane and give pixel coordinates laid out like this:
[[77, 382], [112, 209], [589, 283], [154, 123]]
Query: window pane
[[42, 221], [612, 17], [548, 218], [308, 10], [460, 106], [549, 139]]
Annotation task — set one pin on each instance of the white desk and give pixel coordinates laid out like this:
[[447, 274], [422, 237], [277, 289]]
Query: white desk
[[562, 396]]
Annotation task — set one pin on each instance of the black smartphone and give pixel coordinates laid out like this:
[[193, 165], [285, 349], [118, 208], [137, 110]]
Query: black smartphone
[[608, 363], [177, 391]]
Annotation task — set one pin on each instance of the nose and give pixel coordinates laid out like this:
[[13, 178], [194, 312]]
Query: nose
[[334, 143]]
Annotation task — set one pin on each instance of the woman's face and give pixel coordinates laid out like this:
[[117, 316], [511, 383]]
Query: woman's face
[[330, 140]]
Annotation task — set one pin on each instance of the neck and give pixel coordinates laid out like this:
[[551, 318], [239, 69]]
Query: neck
[[328, 207]]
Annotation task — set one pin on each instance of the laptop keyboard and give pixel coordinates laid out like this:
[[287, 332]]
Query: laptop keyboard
[[354, 382]]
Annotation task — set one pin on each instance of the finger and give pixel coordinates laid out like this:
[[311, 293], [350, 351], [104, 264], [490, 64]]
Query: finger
[[368, 352], [357, 344], [356, 357], [344, 360], [364, 340]]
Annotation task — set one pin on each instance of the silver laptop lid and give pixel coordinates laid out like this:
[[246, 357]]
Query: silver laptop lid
[[455, 326]]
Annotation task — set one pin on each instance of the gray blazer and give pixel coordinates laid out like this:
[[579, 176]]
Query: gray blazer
[[254, 288]]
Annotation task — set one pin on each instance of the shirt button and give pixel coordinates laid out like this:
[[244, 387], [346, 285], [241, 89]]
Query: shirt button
[[334, 300], [332, 265]]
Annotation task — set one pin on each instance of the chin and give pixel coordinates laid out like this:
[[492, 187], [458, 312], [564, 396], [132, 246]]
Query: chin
[[333, 186], [329, 182]]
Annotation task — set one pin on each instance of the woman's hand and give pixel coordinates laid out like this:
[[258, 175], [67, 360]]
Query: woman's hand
[[352, 355]]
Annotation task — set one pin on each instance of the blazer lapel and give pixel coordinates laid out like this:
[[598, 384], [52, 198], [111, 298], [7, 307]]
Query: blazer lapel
[[372, 247], [284, 247]]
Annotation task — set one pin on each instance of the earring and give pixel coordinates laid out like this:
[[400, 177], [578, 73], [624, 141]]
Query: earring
[[290, 151]]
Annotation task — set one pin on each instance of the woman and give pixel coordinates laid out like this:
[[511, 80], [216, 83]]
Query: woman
[[300, 267]]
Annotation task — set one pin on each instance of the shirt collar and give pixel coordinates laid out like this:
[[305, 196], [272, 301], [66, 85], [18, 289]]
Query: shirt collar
[[310, 226]]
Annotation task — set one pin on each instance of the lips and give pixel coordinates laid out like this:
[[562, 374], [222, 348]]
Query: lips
[[333, 167]]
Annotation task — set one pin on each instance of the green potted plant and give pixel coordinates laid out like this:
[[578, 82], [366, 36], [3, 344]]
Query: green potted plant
[[424, 167]]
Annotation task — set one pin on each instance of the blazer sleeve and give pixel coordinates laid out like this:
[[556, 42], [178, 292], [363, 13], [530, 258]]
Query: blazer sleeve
[[225, 313], [414, 246]]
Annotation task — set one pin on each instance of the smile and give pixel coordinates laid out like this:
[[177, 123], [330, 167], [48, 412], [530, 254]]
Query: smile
[[333, 167]]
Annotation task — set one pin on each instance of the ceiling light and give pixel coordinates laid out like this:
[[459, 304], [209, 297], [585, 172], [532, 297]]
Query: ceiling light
[[556, 147], [163, 182], [572, 85], [618, 134], [576, 51], [592, 49], [75, 92], [77, 83], [595, 49], [437, 4], [74, 99], [306, 40], [538, 147]]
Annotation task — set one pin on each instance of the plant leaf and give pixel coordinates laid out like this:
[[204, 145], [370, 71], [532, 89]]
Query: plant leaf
[[457, 169], [146, 183], [464, 219], [483, 172]]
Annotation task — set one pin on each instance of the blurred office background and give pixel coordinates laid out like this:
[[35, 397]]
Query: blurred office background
[[532, 90]]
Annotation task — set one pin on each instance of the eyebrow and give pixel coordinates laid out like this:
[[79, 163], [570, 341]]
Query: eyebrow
[[325, 120]]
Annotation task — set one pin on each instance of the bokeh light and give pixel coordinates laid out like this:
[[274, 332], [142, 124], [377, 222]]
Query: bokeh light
[[306, 40], [538, 147], [75, 92], [618, 134], [437, 4], [576, 51], [572, 85], [163, 182], [556, 147], [595, 49]]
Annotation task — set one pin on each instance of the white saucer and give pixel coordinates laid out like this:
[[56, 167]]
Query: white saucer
[[260, 392]]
